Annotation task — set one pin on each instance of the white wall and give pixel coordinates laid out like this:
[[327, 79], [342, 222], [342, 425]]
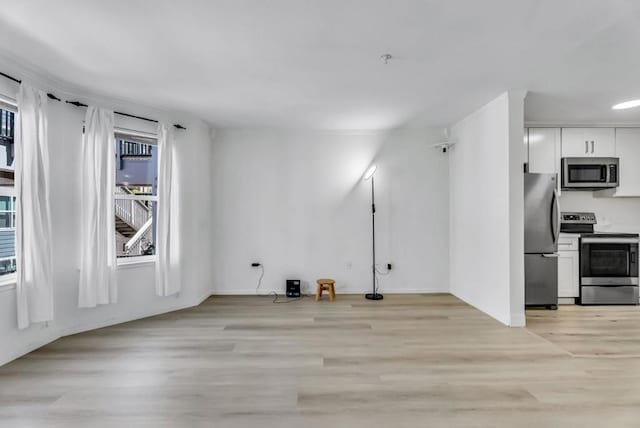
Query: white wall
[[296, 202], [486, 266], [136, 283]]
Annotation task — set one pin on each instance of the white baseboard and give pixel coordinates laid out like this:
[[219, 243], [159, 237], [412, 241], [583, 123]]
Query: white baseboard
[[55, 335], [252, 292], [518, 321], [509, 321], [24, 350], [132, 317]]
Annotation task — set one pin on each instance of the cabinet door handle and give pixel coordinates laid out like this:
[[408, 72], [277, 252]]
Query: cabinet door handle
[[586, 147], [592, 144]]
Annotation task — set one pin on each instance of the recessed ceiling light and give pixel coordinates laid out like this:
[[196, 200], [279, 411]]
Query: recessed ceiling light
[[627, 104]]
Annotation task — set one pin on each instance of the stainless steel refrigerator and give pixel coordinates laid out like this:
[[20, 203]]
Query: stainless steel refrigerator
[[541, 232]]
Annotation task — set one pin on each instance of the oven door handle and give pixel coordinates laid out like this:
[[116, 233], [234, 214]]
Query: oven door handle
[[610, 240]]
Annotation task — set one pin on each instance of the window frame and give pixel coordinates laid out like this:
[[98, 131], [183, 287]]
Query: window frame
[[9, 280], [12, 204], [129, 261]]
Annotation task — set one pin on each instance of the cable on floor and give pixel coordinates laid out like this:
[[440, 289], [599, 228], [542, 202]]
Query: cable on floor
[[275, 295]]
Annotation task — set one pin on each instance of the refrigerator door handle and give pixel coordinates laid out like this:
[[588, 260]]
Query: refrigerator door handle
[[554, 217], [551, 256]]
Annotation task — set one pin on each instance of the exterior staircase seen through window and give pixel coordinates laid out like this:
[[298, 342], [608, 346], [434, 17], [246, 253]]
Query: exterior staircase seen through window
[[133, 222]]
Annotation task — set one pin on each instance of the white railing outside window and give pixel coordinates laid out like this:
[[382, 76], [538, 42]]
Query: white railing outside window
[[133, 211]]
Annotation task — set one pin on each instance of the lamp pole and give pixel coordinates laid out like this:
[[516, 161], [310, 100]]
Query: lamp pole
[[374, 295]]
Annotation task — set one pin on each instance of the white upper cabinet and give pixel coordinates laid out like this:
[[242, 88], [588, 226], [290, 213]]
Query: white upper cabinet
[[581, 142], [544, 150], [628, 150]]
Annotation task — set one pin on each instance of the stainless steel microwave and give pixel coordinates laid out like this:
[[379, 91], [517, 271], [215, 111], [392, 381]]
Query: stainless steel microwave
[[590, 173]]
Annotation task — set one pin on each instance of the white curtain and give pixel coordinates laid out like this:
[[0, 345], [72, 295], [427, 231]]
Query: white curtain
[[97, 215], [167, 224], [33, 212]]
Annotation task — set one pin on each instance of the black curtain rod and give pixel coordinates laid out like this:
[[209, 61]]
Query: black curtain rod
[[10, 77], [79, 104], [51, 96]]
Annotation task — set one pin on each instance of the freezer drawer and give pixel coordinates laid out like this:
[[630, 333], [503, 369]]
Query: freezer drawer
[[621, 295], [540, 279]]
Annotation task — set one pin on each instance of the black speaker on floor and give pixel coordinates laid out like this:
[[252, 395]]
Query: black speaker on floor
[[293, 288]]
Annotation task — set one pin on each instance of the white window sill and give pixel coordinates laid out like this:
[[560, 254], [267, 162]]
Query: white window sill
[[128, 262], [8, 282]]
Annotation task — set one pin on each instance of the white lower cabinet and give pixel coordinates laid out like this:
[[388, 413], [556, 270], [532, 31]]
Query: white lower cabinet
[[568, 274]]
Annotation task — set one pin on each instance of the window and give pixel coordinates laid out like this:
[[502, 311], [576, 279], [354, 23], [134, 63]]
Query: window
[[7, 191], [135, 194]]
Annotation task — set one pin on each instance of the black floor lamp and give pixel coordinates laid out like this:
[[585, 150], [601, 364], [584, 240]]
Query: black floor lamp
[[375, 295]]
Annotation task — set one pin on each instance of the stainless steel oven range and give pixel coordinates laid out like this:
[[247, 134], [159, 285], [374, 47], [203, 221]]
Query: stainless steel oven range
[[608, 262], [609, 268]]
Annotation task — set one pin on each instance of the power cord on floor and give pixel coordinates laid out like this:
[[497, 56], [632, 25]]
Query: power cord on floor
[[289, 300], [275, 295]]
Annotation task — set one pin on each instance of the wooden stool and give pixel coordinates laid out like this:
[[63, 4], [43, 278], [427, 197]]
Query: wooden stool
[[326, 285]]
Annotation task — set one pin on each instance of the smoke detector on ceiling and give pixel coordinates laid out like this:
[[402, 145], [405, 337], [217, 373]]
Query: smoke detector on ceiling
[[446, 144], [386, 58]]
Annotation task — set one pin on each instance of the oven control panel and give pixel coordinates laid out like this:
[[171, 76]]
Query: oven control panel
[[578, 218]]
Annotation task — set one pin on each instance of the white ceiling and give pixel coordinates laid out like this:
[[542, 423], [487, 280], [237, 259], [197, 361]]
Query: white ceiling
[[315, 63]]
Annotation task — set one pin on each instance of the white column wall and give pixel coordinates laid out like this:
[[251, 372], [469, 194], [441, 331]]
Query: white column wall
[[486, 262]]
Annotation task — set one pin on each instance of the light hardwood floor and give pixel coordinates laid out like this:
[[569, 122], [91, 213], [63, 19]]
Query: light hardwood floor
[[406, 361]]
